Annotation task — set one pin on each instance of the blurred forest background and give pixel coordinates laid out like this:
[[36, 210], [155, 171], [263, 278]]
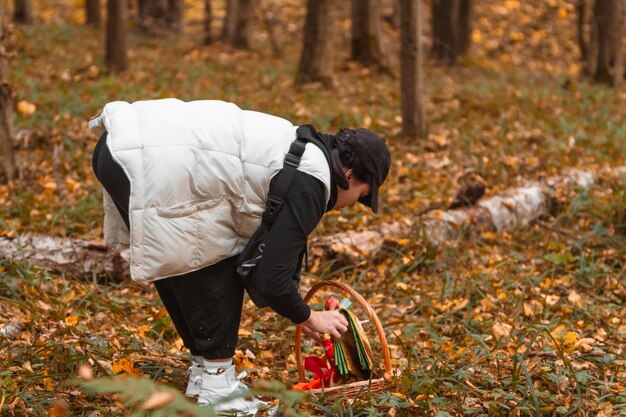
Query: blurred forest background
[[496, 264]]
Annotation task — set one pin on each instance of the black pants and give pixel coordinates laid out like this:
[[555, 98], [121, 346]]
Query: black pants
[[205, 305]]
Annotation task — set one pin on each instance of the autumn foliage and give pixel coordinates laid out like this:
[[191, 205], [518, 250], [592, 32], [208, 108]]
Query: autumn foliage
[[529, 322]]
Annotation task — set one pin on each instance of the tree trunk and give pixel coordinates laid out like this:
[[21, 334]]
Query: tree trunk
[[94, 15], [366, 38], [243, 24], [608, 22], [316, 61], [445, 18], [411, 71], [208, 20], [23, 12], [117, 35], [394, 17], [154, 15], [271, 21], [7, 152], [175, 13], [582, 17], [230, 21], [465, 26]]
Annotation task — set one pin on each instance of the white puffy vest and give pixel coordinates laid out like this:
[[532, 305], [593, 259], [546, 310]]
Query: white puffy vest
[[199, 175]]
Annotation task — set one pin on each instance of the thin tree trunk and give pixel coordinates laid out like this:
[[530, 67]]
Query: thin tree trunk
[[316, 61], [23, 12], [270, 21], [581, 34], [94, 15], [465, 26], [608, 17], [154, 15], [366, 38], [243, 27], [117, 35], [230, 21], [175, 13], [445, 17], [394, 19], [411, 56], [7, 152], [208, 20]]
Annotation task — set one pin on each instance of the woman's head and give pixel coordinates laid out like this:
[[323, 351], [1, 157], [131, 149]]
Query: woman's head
[[360, 164]]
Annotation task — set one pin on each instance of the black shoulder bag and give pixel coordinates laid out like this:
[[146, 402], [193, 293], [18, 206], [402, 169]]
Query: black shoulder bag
[[249, 260]]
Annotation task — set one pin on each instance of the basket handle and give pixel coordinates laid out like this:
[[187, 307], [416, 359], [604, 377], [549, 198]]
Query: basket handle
[[368, 309]]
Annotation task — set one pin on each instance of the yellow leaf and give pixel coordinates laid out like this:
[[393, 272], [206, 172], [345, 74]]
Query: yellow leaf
[[125, 365], [402, 286], [569, 338], [244, 332], [47, 382], [50, 186], [71, 320], [477, 36], [265, 354], [142, 330], [68, 297], [71, 184], [25, 108]]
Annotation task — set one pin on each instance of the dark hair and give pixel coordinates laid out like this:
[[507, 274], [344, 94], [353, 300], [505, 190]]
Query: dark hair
[[343, 156]]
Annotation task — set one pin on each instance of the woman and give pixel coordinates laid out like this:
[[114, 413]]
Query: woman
[[185, 187]]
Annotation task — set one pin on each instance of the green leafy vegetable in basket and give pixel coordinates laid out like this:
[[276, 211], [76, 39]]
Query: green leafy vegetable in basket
[[352, 350]]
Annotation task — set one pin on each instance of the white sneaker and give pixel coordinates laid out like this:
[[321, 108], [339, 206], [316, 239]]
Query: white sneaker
[[227, 394], [194, 376]]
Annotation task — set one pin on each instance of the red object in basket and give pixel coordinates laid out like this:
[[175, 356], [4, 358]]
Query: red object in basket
[[331, 304], [324, 371]]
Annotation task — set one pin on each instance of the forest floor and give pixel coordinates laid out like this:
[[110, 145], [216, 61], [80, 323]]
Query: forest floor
[[531, 322]]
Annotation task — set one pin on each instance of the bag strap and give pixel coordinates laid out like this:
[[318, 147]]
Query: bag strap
[[276, 194]]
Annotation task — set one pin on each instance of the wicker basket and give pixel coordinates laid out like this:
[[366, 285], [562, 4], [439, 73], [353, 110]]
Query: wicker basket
[[353, 389]]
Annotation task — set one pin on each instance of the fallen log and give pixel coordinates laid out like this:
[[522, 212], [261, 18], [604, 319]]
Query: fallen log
[[77, 258], [504, 212]]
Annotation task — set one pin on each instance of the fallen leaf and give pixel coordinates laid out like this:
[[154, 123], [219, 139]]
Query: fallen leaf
[[158, 400], [85, 372], [125, 365], [575, 299], [25, 108], [500, 329]]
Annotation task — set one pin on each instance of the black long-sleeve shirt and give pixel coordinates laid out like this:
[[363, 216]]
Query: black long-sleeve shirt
[[276, 277]]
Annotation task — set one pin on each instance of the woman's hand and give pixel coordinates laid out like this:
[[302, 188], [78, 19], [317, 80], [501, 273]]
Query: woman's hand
[[331, 322]]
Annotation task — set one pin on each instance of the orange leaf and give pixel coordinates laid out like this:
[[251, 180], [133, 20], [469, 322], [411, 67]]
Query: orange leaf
[[125, 365]]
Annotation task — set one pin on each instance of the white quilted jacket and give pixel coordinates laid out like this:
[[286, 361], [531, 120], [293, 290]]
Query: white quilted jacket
[[199, 174]]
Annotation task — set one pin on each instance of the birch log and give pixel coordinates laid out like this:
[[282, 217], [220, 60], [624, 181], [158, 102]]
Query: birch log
[[77, 258], [504, 212]]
